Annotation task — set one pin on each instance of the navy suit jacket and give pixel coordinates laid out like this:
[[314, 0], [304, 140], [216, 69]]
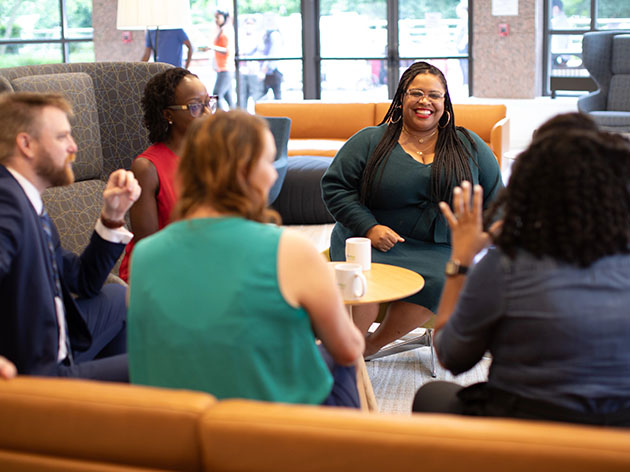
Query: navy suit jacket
[[28, 321]]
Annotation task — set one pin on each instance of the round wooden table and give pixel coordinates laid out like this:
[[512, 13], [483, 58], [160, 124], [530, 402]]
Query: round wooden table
[[385, 283]]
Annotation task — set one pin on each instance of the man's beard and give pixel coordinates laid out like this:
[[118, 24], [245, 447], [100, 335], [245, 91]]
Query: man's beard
[[55, 176]]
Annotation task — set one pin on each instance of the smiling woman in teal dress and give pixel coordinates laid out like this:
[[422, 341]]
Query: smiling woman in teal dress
[[386, 182]]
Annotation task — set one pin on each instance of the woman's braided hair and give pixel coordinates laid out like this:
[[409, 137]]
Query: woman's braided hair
[[158, 94], [569, 194], [450, 165]]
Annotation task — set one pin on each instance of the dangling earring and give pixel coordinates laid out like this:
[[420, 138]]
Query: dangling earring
[[447, 121]]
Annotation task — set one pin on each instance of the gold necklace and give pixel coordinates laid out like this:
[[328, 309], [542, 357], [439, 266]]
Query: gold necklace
[[421, 140]]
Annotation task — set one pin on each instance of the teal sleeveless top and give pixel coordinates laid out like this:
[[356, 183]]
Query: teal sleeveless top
[[206, 313]]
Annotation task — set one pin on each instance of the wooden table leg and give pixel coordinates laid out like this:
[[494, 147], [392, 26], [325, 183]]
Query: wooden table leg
[[364, 385], [366, 392]]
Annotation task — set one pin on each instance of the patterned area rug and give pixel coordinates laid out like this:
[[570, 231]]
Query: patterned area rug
[[396, 378]]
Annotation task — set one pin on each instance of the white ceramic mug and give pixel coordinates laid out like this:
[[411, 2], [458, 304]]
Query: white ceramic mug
[[359, 251], [351, 281]]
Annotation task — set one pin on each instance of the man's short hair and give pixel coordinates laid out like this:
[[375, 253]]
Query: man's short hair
[[19, 112]]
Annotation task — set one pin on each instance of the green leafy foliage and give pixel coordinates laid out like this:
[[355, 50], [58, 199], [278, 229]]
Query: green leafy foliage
[[281, 7], [378, 8]]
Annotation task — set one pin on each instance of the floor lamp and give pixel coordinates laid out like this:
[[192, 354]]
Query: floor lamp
[[149, 14]]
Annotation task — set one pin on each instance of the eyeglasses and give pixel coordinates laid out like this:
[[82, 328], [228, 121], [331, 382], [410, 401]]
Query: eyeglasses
[[195, 109], [418, 95]]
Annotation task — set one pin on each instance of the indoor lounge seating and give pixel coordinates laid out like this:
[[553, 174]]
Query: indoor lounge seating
[[320, 129], [77, 425], [300, 199], [280, 128], [606, 55], [107, 126]]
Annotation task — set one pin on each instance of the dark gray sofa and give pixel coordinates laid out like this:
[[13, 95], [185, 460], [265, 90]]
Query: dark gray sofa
[[300, 200]]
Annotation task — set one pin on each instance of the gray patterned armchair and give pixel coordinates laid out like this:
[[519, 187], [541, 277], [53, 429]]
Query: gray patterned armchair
[[606, 55], [107, 126]]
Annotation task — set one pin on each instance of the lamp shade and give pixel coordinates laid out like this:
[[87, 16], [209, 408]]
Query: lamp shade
[[142, 14]]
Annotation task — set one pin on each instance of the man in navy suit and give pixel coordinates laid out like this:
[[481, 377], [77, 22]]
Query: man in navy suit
[[56, 318]]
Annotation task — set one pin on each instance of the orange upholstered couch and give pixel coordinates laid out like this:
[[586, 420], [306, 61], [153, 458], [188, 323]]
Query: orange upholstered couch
[[320, 128], [76, 425]]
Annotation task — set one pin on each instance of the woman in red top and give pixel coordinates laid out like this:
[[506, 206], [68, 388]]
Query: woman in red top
[[171, 101]]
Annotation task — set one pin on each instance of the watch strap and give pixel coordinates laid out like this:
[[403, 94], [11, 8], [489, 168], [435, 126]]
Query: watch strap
[[454, 267]]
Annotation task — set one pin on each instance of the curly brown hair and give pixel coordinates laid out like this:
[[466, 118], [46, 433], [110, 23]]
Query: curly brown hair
[[568, 196], [219, 154], [158, 94]]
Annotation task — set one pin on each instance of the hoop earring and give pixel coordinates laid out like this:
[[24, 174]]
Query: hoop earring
[[447, 121], [399, 118]]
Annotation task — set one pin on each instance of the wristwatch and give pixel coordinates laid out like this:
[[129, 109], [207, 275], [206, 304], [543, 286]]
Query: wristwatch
[[454, 267]]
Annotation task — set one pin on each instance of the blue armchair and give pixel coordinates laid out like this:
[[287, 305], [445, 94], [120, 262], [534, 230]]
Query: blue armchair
[[280, 128], [606, 55]]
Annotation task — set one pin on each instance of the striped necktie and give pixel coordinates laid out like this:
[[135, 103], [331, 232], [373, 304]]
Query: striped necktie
[[47, 227]]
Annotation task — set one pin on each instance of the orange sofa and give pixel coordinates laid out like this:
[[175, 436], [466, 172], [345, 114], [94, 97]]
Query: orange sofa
[[320, 128], [49, 424]]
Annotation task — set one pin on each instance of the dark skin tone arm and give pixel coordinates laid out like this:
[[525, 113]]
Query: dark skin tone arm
[[147, 54], [144, 213], [190, 53]]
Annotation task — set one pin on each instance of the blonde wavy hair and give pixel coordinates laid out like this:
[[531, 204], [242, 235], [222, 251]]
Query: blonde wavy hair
[[219, 154]]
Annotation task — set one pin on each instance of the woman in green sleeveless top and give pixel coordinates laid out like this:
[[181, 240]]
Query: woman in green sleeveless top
[[222, 302]]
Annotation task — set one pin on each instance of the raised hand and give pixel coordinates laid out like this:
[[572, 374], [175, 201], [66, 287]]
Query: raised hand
[[466, 222], [121, 191]]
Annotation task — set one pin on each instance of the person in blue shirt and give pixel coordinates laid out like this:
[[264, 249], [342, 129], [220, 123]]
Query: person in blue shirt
[[169, 48]]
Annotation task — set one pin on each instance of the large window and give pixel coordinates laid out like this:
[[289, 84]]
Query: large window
[[353, 49], [45, 31], [344, 50], [567, 21], [285, 49], [437, 31]]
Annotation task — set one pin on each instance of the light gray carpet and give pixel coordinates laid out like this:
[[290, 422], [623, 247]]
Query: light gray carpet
[[396, 378]]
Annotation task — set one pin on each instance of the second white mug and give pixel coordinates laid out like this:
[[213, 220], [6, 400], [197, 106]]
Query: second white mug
[[351, 281], [359, 251]]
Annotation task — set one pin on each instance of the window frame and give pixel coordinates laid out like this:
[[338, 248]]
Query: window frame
[[311, 54], [63, 40], [548, 32]]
